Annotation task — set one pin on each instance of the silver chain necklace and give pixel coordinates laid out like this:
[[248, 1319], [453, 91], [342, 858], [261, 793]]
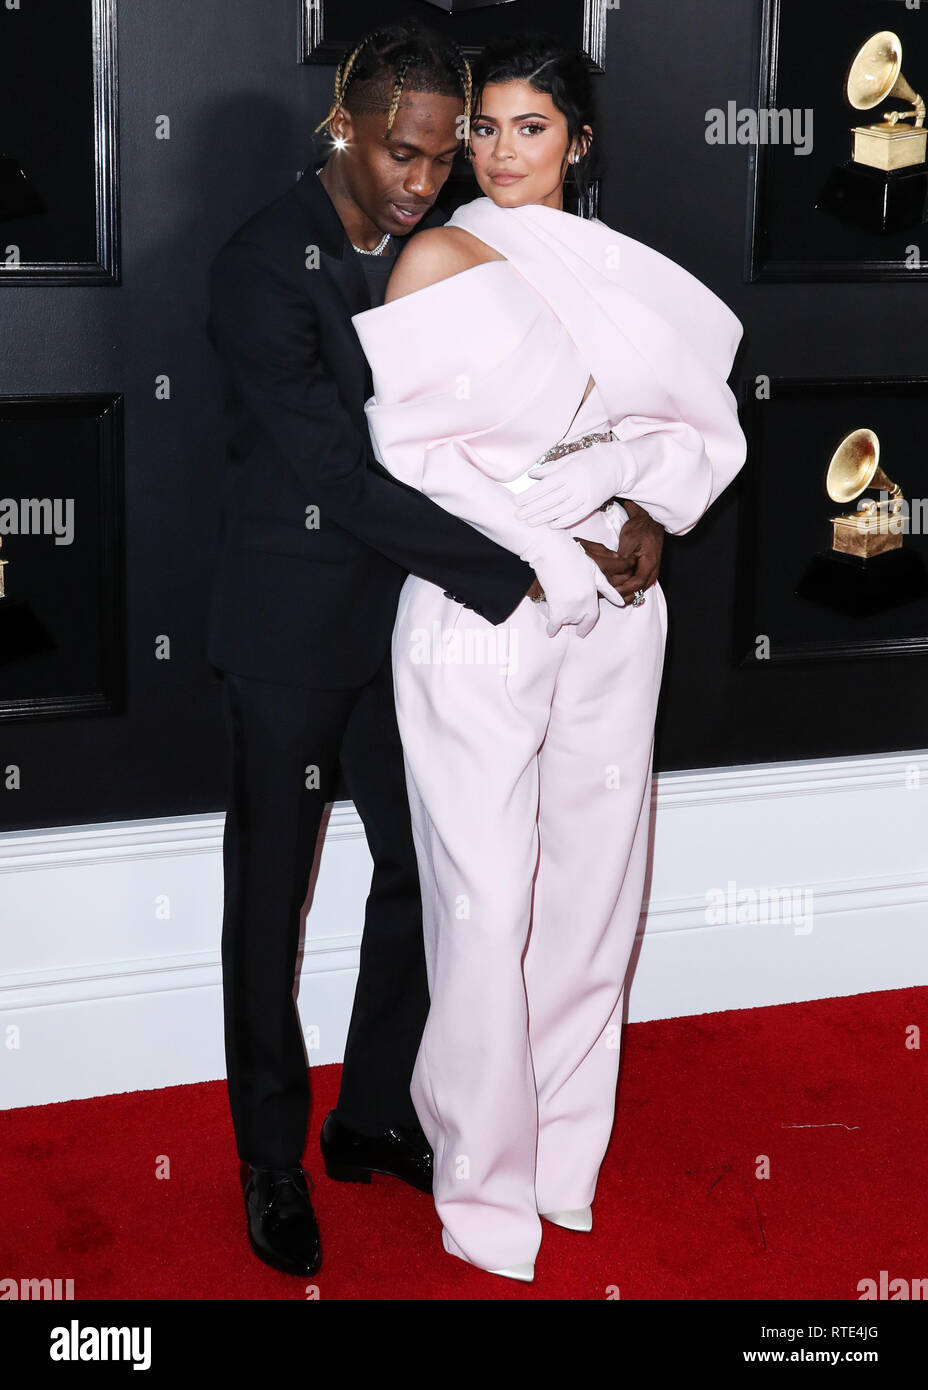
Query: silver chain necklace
[[361, 250]]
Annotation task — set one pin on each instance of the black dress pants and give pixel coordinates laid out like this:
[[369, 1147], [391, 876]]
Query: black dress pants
[[277, 735]]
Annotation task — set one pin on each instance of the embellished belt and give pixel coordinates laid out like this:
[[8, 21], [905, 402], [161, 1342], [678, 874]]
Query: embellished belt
[[571, 446]]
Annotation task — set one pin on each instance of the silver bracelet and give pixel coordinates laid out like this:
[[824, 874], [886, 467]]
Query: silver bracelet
[[560, 450]]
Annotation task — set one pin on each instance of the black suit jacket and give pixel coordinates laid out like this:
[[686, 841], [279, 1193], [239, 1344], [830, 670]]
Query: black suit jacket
[[316, 607]]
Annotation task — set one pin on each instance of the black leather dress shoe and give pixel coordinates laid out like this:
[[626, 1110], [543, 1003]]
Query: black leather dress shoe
[[282, 1228], [401, 1152]]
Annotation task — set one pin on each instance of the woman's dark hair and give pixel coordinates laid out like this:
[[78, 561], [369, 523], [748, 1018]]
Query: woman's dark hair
[[547, 66], [406, 53]]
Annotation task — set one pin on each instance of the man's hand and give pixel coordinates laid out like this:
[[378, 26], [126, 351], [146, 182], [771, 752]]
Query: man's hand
[[636, 563]]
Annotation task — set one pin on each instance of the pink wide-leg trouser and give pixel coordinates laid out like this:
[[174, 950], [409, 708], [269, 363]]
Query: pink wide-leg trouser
[[528, 768]]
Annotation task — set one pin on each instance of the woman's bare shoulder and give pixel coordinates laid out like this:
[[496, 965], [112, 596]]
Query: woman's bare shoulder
[[436, 254]]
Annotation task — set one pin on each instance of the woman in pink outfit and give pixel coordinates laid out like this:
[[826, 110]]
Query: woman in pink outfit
[[516, 328]]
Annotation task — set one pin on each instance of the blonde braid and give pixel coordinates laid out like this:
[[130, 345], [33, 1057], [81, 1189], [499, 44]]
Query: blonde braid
[[398, 91], [345, 68], [342, 74]]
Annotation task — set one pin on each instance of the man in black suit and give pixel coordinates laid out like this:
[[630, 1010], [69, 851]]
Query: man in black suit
[[318, 539]]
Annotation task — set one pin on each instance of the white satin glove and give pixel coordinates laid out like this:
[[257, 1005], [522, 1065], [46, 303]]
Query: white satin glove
[[576, 485], [573, 585]]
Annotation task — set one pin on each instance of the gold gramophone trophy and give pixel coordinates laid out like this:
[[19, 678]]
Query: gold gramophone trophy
[[883, 187], [867, 570], [874, 527], [875, 75]]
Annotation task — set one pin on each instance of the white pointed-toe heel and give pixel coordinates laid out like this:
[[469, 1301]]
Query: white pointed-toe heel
[[580, 1219], [524, 1272]]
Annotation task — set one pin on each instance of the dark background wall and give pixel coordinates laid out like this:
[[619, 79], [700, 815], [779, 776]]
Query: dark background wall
[[242, 109]]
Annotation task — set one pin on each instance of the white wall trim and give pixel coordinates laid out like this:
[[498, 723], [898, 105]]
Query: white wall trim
[[811, 777], [103, 995]]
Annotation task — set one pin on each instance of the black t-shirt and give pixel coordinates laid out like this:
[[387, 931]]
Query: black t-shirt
[[377, 271]]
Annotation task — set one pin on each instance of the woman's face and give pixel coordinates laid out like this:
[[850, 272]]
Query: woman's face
[[521, 147]]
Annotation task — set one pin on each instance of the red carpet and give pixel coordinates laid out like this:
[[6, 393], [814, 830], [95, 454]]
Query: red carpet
[[828, 1090]]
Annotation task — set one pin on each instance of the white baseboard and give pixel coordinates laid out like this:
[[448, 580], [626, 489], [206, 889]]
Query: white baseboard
[[110, 934]]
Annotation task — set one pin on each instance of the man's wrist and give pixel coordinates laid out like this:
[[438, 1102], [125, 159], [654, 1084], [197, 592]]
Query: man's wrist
[[638, 512]]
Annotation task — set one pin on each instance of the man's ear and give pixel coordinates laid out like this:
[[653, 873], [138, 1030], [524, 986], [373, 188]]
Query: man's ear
[[341, 126]]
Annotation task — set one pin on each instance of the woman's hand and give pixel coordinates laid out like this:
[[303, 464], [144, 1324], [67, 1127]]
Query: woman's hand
[[573, 585], [576, 485]]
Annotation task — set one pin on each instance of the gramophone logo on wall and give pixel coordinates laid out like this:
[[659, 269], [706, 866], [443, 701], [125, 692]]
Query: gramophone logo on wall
[[852, 202], [833, 536], [884, 186], [867, 570], [874, 76], [874, 527]]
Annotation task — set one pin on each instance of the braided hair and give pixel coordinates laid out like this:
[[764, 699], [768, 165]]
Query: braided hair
[[400, 52]]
